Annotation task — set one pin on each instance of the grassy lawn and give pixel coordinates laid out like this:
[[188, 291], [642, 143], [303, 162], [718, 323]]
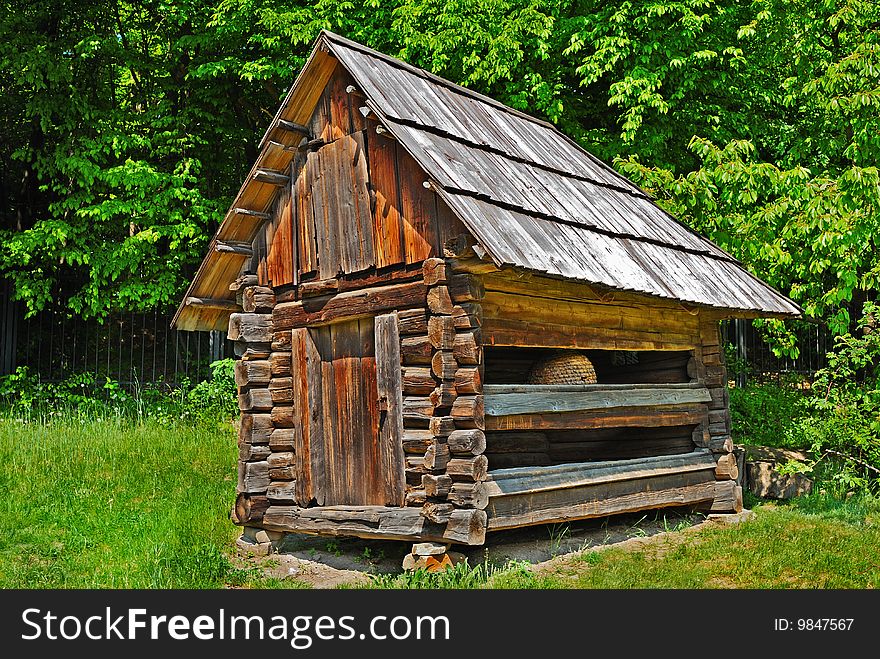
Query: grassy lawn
[[111, 504], [114, 505]]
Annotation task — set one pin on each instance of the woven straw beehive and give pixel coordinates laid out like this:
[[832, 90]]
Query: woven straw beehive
[[564, 367]]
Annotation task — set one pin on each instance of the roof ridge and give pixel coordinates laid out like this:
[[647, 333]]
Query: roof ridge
[[433, 77]]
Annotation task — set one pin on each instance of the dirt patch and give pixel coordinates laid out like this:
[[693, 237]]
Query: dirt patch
[[333, 562]]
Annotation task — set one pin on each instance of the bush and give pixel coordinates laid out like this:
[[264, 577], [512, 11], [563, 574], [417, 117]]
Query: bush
[[763, 414], [84, 396], [843, 426]]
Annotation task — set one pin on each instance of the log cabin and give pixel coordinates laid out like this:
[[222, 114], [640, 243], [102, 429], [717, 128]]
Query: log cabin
[[451, 320]]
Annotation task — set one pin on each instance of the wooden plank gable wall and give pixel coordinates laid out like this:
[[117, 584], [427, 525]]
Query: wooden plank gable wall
[[353, 204]]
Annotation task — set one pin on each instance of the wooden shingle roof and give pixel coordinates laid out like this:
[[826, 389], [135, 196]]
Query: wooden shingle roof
[[535, 200], [532, 198]]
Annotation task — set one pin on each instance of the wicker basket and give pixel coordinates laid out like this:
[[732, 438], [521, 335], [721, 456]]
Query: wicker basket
[[563, 367]]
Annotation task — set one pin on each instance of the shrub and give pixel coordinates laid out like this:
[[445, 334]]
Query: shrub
[[83, 396], [764, 414]]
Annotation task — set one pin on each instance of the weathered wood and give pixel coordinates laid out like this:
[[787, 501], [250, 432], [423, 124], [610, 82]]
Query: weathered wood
[[434, 271], [417, 411], [468, 315], [283, 492], [519, 480], [233, 247], [726, 468], [283, 439], [282, 473], [308, 416], [443, 365], [248, 279], [633, 417], [468, 495], [251, 352], [539, 402], [281, 395], [250, 327], [437, 456], [253, 477], [436, 485], [439, 301], [465, 526], [468, 381], [252, 373], [412, 321], [728, 498], [281, 341], [567, 505], [259, 299], [467, 411], [254, 428], [212, 303], [441, 426], [439, 513], [349, 305], [294, 127], [415, 350], [443, 395], [253, 452], [249, 508], [283, 416], [281, 459], [279, 364], [467, 469], [255, 399], [441, 332], [467, 348], [466, 442], [390, 391], [271, 176], [319, 287], [418, 381], [415, 497], [417, 441], [721, 445], [466, 288]]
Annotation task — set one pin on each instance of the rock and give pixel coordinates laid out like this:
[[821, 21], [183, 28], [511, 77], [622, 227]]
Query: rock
[[433, 563], [766, 482], [245, 546], [268, 536], [429, 549], [773, 454]]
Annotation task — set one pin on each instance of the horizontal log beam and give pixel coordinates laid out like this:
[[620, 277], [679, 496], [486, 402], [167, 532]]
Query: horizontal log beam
[[233, 247], [348, 305], [634, 417], [523, 480], [294, 127], [259, 215], [211, 303], [271, 176], [601, 506], [466, 527], [537, 402]]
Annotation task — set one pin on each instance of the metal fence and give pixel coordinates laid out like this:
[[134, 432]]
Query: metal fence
[[813, 340], [131, 348]]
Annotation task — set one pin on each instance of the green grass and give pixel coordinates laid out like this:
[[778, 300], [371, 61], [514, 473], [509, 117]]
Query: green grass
[[115, 504], [112, 504]]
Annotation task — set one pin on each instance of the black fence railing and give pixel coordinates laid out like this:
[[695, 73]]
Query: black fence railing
[[814, 342], [131, 348]]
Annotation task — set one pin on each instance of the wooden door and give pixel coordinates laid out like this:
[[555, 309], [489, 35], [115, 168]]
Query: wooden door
[[348, 400]]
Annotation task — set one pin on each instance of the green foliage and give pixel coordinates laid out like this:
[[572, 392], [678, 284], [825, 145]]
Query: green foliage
[[764, 414], [459, 576], [83, 397], [844, 425]]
